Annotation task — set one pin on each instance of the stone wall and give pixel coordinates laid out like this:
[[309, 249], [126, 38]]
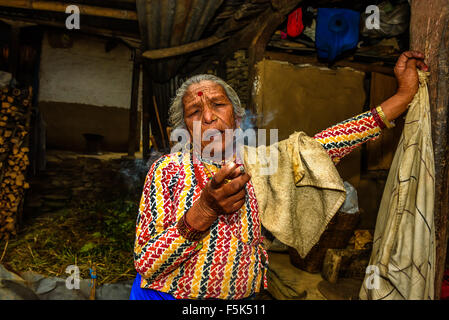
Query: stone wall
[[71, 178], [237, 75]]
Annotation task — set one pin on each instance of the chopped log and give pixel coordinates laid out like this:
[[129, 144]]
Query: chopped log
[[337, 261], [13, 159], [331, 265]]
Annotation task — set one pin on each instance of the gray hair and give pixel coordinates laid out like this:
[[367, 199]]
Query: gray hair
[[176, 112]]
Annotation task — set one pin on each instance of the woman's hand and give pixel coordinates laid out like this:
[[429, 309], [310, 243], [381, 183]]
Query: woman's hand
[[406, 73], [223, 194], [408, 82]]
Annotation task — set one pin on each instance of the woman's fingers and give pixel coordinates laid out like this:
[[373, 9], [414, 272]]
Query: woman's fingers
[[222, 174], [402, 61], [229, 203], [237, 197], [237, 172], [421, 65], [237, 184], [407, 56], [237, 205]]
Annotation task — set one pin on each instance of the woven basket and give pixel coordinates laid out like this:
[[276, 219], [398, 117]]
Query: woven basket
[[336, 236]]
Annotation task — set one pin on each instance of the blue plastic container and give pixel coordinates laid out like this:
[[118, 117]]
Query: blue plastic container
[[337, 31]]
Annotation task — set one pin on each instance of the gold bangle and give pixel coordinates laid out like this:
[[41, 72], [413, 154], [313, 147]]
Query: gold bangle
[[384, 118]]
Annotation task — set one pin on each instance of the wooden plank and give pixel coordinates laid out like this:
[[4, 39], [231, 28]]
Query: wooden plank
[[296, 59], [23, 21], [429, 33], [183, 49]]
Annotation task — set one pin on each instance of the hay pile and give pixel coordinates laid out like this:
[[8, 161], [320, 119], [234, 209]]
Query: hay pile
[[90, 233]]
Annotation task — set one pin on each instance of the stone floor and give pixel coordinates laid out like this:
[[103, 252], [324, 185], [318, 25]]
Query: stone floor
[[303, 286], [32, 286]]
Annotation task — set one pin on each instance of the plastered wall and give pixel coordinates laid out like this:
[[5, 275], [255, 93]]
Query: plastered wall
[[310, 99], [84, 89]]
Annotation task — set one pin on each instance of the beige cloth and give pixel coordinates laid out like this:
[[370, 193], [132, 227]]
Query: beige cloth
[[404, 239], [298, 189]]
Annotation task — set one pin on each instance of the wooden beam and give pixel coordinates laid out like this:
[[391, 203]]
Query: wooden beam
[[25, 22], [132, 133], [131, 39], [61, 7], [295, 59], [429, 34], [183, 49]]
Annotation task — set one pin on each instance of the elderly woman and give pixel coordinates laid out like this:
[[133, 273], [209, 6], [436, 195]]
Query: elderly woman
[[198, 232]]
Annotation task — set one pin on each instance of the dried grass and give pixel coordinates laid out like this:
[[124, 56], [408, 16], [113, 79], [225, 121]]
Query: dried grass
[[100, 234]]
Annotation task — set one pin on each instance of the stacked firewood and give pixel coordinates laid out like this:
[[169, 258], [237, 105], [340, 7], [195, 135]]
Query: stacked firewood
[[15, 115]]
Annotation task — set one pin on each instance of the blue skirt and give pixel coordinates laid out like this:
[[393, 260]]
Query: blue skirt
[[137, 293]]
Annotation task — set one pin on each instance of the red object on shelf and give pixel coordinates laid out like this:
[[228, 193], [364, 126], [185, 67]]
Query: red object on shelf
[[295, 25], [445, 286]]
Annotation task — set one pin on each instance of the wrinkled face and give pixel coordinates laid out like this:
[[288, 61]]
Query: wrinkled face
[[206, 103]]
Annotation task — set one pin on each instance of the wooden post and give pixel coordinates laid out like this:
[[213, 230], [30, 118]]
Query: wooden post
[[161, 129], [14, 50], [147, 95], [132, 133], [256, 51], [261, 31], [429, 33]]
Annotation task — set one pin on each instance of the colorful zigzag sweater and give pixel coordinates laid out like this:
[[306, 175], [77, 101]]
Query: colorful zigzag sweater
[[229, 263]]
